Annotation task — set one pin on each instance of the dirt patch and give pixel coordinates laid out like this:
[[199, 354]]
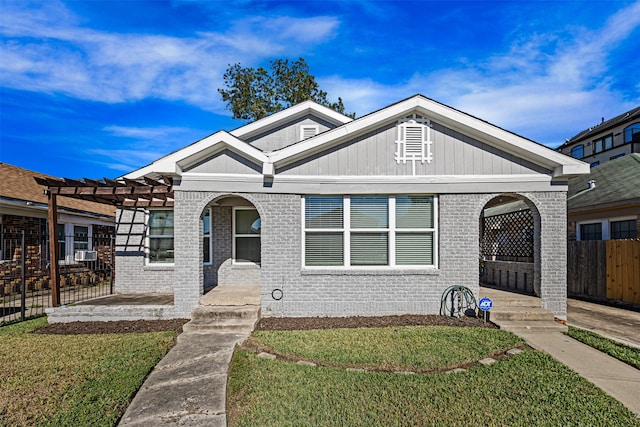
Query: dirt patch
[[302, 323], [265, 324], [115, 327]]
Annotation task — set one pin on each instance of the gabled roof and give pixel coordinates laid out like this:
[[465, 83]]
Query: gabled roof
[[18, 185], [509, 142], [291, 113], [617, 182], [629, 116], [562, 166], [172, 164]]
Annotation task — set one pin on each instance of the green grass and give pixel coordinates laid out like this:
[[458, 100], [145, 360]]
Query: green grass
[[422, 349], [72, 380], [627, 354], [530, 388]]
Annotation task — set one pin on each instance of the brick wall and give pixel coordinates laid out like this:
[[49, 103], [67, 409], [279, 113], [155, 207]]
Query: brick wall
[[133, 275], [339, 292]]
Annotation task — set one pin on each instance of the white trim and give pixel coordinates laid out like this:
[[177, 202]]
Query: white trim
[[605, 224], [147, 240], [234, 235], [210, 212], [298, 110], [371, 179], [391, 231], [560, 164], [176, 162]]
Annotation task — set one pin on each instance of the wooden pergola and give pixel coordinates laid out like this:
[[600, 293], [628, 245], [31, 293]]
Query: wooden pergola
[[121, 193]]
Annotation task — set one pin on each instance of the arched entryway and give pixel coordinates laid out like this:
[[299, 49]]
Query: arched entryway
[[231, 243], [509, 235]]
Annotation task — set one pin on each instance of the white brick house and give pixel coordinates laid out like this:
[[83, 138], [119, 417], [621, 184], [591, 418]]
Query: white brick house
[[334, 216]]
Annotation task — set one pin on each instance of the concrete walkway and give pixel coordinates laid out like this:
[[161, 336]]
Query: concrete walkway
[[188, 386], [614, 377]]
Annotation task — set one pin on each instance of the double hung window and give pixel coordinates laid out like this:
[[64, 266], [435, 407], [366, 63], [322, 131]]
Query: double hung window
[[206, 237], [160, 236], [353, 231], [246, 235]]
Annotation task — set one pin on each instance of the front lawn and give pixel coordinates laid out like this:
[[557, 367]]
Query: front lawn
[[74, 380], [530, 388]]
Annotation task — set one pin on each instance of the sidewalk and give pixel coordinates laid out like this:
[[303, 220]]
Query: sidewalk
[[614, 377], [611, 322]]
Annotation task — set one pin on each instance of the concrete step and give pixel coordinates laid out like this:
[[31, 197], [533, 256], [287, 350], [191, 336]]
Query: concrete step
[[522, 314], [231, 327], [234, 319], [533, 326], [216, 313]]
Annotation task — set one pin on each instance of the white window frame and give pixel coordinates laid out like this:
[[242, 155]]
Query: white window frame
[[148, 237], [234, 260], [346, 231], [305, 128], [210, 236], [605, 224], [69, 240]]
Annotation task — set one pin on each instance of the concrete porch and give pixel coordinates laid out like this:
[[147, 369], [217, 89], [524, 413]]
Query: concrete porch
[[517, 312], [147, 306]]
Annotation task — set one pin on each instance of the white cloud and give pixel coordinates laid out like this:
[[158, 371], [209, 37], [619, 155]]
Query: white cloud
[[46, 50], [544, 87], [141, 145]]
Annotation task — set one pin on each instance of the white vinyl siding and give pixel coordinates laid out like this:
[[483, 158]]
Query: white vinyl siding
[[369, 231]]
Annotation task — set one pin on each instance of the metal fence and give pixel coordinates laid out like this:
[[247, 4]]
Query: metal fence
[[86, 265]]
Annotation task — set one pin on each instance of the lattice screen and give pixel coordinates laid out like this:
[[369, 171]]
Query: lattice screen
[[508, 237]]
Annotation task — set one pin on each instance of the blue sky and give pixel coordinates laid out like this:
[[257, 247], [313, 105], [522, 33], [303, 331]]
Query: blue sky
[[99, 88]]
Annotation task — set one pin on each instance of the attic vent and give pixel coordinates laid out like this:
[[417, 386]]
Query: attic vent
[[308, 131], [414, 141]]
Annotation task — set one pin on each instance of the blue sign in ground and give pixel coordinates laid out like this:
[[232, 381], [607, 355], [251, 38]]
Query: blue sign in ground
[[485, 304]]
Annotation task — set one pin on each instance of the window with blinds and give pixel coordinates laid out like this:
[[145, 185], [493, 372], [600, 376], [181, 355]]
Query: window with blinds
[[365, 231]]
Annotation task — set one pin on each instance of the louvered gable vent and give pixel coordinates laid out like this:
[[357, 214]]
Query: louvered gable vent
[[308, 131], [414, 141]]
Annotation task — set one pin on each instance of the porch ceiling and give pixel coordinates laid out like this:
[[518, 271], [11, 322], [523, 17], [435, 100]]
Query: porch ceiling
[[120, 193]]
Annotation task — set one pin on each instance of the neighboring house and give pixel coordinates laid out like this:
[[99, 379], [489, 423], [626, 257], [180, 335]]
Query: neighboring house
[[606, 141], [334, 216], [23, 208], [606, 204]]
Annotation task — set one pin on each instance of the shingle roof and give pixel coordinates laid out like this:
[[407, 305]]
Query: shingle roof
[[616, 182], [18, 184], [600, 127]]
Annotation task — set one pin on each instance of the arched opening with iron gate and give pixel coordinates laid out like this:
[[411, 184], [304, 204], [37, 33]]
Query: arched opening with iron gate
[[509, 236]]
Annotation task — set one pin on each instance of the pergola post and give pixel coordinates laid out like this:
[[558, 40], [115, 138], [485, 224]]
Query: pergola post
[[53, 249]]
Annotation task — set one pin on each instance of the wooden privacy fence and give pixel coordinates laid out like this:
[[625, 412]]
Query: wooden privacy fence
[[604, 269]]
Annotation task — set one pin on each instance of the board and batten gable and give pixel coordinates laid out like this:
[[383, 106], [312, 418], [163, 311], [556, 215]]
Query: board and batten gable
[[288, 133], [373, 154], [225, 162]]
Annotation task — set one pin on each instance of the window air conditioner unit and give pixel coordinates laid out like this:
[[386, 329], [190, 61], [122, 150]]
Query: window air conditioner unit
[[86, 256]]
